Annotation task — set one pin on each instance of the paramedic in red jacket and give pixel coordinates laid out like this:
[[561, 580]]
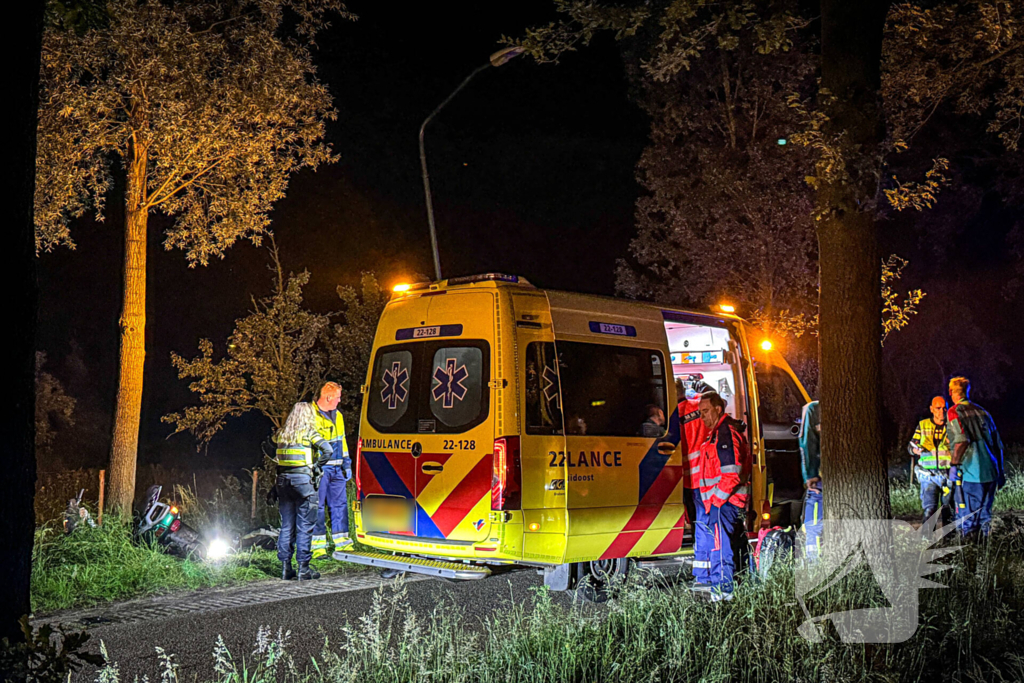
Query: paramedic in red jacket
[[725, 466], [694, 434]]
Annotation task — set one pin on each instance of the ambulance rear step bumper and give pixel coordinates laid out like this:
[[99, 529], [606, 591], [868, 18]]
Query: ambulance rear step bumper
[[416, 565], [675, 561]]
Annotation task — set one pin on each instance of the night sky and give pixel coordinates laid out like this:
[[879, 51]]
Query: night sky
[[532, 171]]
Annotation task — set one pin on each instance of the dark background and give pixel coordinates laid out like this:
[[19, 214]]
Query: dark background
[[532, 171]]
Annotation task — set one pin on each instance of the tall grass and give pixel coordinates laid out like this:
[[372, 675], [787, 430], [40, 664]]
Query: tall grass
[[906, 502], [968, 632], [95, 565]]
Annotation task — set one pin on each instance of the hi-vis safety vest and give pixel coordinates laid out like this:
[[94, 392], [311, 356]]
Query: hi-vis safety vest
[[333, 432], [298, 437], [934, 455]]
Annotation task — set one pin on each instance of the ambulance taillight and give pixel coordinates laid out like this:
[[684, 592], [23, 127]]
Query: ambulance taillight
[[359, 462], [507, 477]]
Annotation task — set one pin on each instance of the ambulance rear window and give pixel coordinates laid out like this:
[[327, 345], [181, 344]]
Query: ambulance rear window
[[611, 390], [429, 387]]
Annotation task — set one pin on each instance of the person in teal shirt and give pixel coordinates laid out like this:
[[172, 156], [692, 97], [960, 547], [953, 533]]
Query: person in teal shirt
[[977, 470], [810, 465]]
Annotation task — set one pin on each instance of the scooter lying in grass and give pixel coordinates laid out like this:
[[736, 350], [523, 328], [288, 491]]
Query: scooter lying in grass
[[160, 524]]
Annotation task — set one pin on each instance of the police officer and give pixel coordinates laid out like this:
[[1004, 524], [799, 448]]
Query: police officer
[[931, 447], [333, 496], [297, 441], [810, 465]]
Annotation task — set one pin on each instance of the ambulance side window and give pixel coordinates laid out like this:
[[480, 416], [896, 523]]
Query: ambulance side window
[[779, 398], [457, 378], [610, 390], [390, 390], [543, 403]]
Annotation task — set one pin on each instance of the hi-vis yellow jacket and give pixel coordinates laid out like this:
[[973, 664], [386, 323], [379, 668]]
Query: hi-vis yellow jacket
[[931, 439], [299, 436]]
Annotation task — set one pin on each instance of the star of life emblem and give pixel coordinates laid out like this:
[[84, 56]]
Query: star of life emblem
[[449, 383], [395, 390], [550, 379]]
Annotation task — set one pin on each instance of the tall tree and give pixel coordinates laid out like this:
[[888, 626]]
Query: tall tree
[[849, 139], [972, 49], [209, 107], [18, 492]]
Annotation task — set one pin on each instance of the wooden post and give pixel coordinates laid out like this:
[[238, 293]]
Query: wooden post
[[103, 476], [255, 476]]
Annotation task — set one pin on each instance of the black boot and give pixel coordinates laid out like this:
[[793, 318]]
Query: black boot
[[306, 572], [288, 571]]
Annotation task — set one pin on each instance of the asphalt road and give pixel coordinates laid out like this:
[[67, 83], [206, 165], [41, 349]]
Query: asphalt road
[[191, 637]]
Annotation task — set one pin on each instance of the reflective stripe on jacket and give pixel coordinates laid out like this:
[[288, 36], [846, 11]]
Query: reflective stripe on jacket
[[298, 437], [333, 432], [695, 434], [934, 455], [725, 465]]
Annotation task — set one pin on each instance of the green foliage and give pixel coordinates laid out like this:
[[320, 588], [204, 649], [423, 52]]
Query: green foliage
[[280, 354], [98, 565], [274, 358], [896, 308], [46, 655], [962, 53], [217, 102]]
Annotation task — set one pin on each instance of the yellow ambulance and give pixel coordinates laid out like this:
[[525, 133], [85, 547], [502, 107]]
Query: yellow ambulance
[[506, 425]]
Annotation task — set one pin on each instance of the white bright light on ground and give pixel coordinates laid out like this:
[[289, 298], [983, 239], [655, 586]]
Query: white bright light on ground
[[217, 550]]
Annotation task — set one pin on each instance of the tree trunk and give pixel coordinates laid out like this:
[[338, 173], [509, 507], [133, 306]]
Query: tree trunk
[[19, 481], [125, 444], [850, 306]]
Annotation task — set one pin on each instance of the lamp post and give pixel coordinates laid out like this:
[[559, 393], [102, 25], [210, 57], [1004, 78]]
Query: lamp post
[[497, 59]]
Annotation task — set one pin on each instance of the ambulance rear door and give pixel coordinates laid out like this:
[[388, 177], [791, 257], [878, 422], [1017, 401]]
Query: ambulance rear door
[[431, 434], [542, 435]]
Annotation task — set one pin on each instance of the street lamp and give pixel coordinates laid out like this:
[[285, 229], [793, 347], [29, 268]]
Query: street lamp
[[497, 59]]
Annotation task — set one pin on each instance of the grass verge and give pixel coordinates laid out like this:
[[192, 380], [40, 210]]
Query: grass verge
[[96, 565], [967, 632]]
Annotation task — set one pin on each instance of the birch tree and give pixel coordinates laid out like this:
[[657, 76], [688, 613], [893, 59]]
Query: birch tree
[[206, 108]]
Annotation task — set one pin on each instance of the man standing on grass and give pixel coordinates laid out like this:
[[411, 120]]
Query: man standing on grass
[[333, 494], [810, 465], [976, 470], [931, 447], [694, 434], [725, 466]]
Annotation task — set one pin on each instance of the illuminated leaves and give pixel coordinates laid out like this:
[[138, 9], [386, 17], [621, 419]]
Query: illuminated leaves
[[221, 99], [919, 196]]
